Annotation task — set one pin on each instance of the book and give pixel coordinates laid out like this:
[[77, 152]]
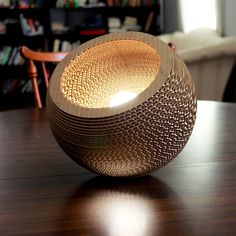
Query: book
[[18, 60], [12, 56], [65, 46], [5, 3], [110, 3], [31, 25], [3, 28], [6, 55], [131, 24], [23, 4], [24, 24], [90, 32], [149, 22], [56, 45], [114, 22]]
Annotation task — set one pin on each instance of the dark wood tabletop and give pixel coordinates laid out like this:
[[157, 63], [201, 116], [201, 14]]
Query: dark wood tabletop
[[43, 192]]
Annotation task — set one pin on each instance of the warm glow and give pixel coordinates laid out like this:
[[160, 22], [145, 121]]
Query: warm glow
[[128, 218], [121, 97], [124, 214], [197, 14]]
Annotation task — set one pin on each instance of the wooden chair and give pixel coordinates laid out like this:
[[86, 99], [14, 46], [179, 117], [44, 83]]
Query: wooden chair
[[42, 58]]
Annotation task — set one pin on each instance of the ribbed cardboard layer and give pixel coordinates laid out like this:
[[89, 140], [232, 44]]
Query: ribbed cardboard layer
[[142, 136]]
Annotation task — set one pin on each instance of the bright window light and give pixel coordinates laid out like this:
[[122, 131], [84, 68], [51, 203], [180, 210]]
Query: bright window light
[[197, 14]]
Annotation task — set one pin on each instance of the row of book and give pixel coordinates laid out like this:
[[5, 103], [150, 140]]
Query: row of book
[[131, 3], [109, 3], [10, 56], [129, 24], [16, 85], [5, 3], [3, 28], [79, 3], [30, 27], [21, 4], [64, 45]]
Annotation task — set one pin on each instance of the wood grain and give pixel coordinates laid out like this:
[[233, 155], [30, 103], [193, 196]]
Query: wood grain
[[43, 192]]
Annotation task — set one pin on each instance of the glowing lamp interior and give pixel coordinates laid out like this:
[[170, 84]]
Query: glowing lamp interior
[[121, 97], [110, 74]]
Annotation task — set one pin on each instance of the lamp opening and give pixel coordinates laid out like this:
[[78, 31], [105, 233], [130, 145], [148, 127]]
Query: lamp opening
[[110, 73]]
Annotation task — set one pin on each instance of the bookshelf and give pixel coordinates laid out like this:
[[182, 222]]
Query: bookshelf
[[61, 25], [101, 17], [21, 23]]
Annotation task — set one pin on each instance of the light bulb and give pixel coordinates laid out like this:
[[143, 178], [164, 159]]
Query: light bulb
[[121, 97]]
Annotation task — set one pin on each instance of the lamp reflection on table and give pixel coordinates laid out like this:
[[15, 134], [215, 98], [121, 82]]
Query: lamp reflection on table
[[119, 207], [122, 213]]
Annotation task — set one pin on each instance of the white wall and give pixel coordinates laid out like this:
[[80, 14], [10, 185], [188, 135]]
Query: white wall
[[198, 14], [172, 20], [227, 17], [226, 14]]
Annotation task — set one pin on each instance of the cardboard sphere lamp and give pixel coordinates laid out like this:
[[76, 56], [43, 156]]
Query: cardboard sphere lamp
[[122, 104]]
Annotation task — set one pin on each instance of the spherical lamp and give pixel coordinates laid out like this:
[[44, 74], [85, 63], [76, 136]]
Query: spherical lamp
[[122, 104]]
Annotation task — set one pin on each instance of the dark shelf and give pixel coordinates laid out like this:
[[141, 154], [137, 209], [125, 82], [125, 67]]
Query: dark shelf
[[18, 10], [12, 72], [10, 39], [76, 19], [14, 12], [12, 101]]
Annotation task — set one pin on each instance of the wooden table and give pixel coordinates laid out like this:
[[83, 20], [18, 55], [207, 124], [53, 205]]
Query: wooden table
[[43, 192]]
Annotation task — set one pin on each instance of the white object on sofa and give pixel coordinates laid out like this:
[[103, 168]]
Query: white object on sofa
[[209, 57]]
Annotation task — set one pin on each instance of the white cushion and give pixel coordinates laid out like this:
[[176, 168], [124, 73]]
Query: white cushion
[[200, 44], [209, 57]]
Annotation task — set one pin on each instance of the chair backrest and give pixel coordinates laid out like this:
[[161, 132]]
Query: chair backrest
[[42, 58]]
